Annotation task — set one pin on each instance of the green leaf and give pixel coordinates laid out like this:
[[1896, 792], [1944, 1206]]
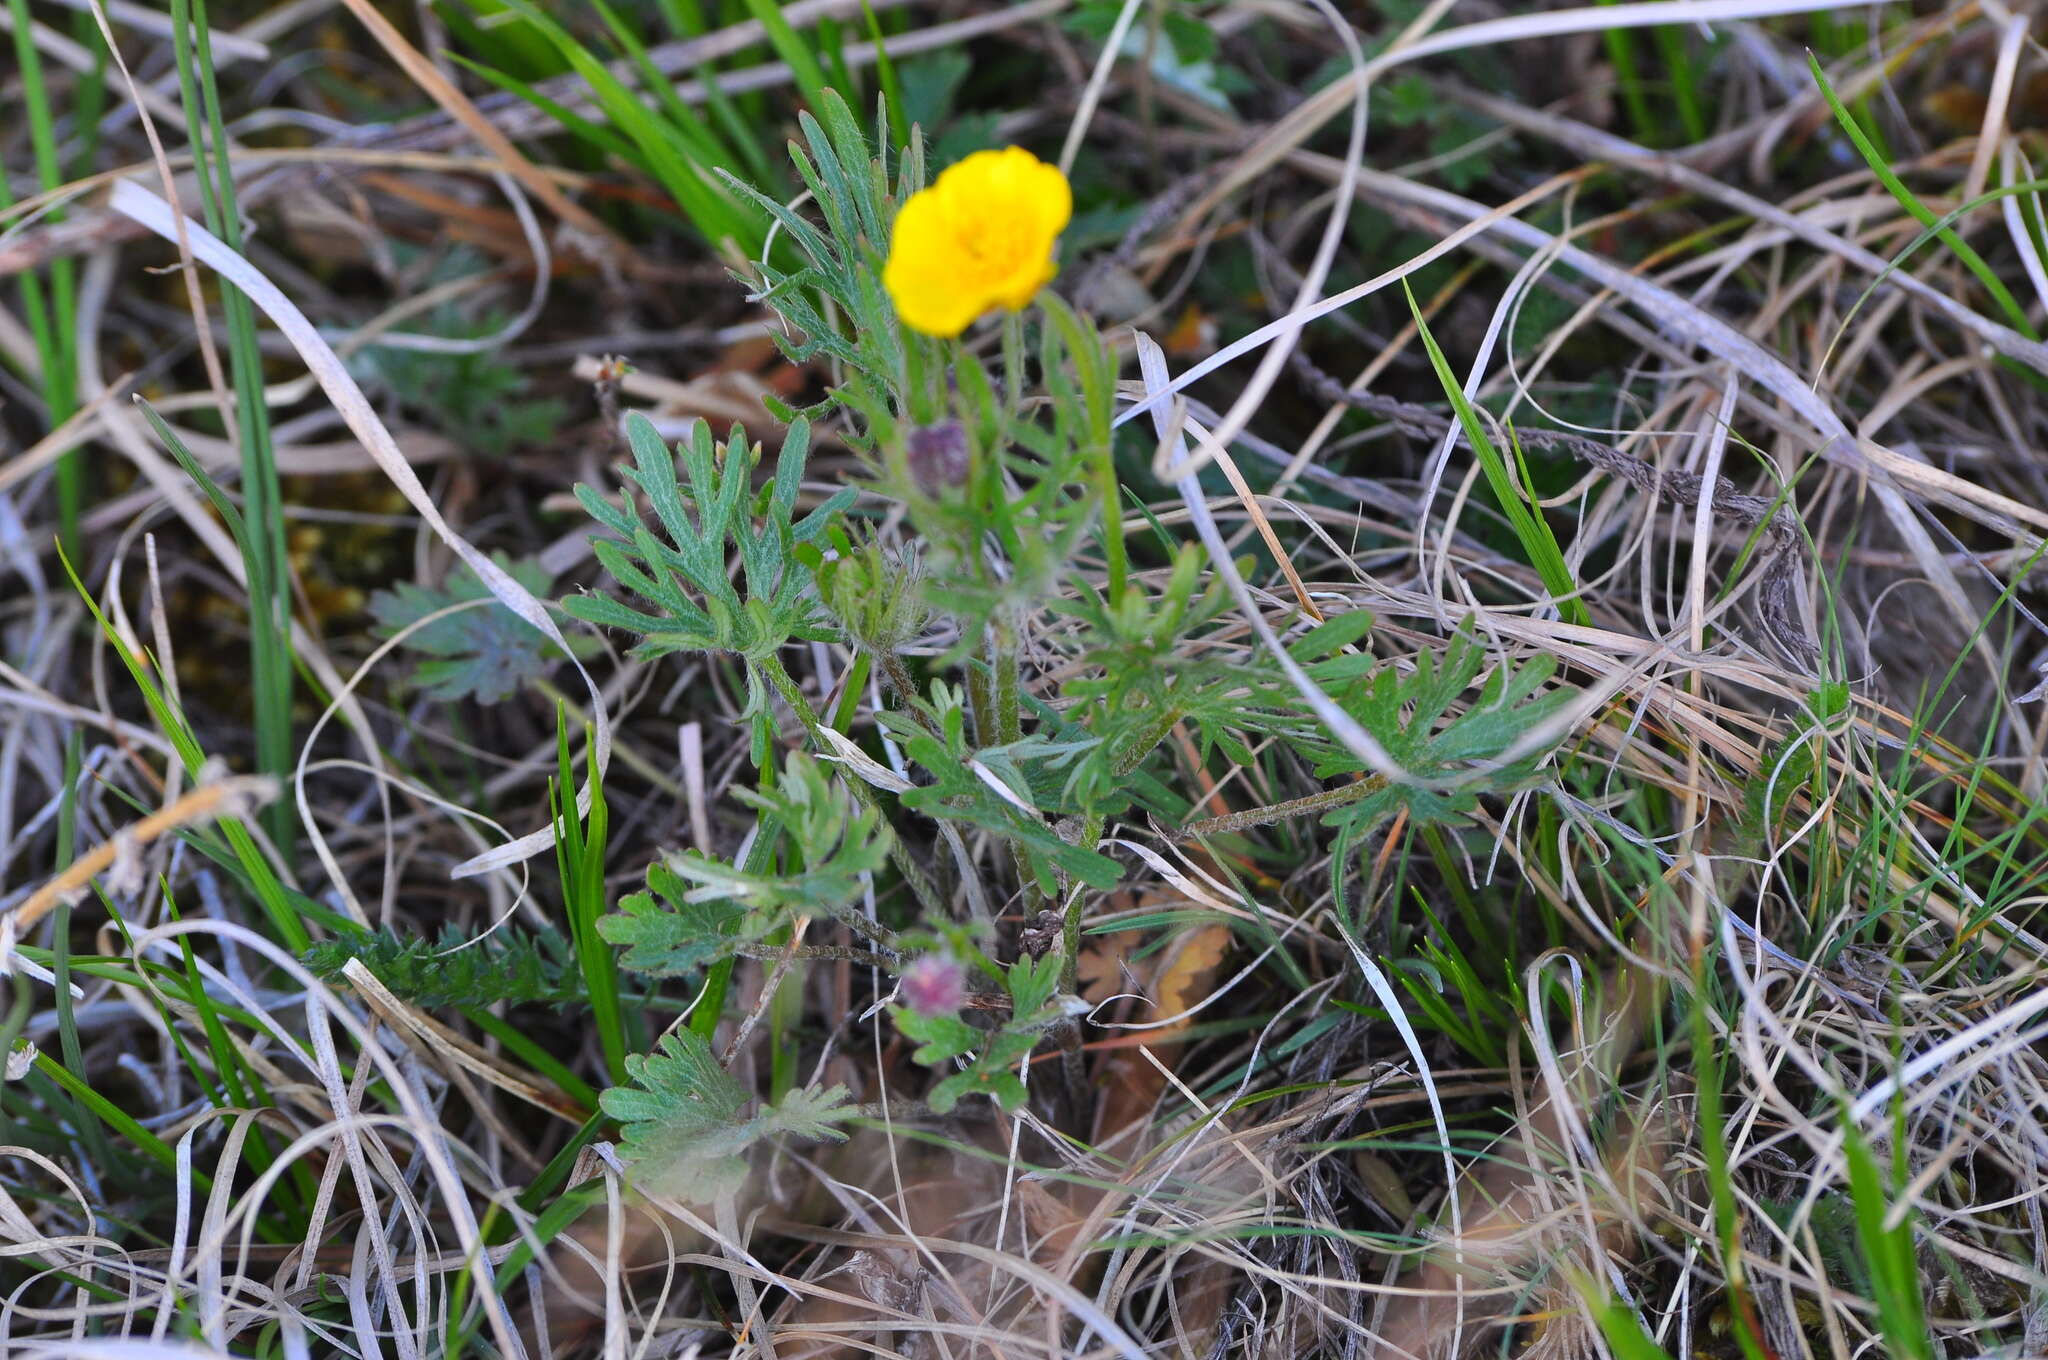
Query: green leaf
[[1888, 1252], [2015, 315], [698, 909], [680, 1118], [668, 932], [1029, 770], [1625, 1334], [789, 45], [704, 519], [1528, 522], [1332, 636], [509, 966], [484, 652], [998, 1083], [685, 1127], [1457, 755], [809, 1112], [680, 150], [941, 1036], [476, 398], [1032, 983]]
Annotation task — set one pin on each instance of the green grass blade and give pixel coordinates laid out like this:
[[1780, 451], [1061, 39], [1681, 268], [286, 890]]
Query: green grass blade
[[2015, 315], [257, 870], [52, 322], [678, 157], [1682, 71], [832, 42], [1625, 1334], [1629, 76], [553, 1221], [115, 1118], [600, 139], [263, 547], [697, 138], [521, 1046], [1888, 1251], [579, 856], [1531, 529], [885, 71], [810, 77]]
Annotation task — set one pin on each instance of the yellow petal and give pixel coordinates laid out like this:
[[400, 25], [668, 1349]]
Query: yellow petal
[[980, 237], [921, 276]]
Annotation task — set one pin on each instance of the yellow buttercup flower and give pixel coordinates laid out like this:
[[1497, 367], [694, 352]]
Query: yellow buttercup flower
[[979, 238]]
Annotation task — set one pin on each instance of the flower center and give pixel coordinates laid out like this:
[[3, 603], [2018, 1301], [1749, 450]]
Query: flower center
[[991, 247]]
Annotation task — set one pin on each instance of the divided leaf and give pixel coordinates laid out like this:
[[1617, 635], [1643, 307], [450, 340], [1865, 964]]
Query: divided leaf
[[484, 652], [698, 909], [668, 931], [510, 966], [1460, 754], [686, 1130], [997, 789], [680, 576], [1034, 1005]]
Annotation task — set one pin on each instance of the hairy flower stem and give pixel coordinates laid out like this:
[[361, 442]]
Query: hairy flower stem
[[882, 937], [1141, 746], [1006, 663], [1280, 812], [899, 855], [897, 677], [1091, 831], [1006, 668], [1013, 364], [981, 705]]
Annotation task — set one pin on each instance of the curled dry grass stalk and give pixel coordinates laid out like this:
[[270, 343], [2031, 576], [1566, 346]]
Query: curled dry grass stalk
[[1500, 820]]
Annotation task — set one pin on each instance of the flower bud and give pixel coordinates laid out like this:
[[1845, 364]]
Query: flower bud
[[933, 985], [937, 455]]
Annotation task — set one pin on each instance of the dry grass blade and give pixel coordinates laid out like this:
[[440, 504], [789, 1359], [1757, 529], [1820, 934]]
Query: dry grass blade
[[462, 110], [363, 421], [218, 797]]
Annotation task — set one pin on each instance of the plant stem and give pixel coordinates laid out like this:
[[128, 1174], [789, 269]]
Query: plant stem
[[897, 677], [1013, 364], [1091, 831], [885, 939], [1280, 812], [53, 326], [1006, 672], [267, 563], [793, 695], [1007, 668], [710, 1006], [865, 957]]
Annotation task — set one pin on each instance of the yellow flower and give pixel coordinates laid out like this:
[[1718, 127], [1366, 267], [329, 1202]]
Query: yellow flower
[[979, 238]]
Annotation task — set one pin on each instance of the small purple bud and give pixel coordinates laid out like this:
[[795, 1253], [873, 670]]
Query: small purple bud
[[937, 455], [933, 985]]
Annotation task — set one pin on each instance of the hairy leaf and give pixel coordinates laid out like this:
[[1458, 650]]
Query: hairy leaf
[[686, 1121], [484, 652], [999, 789], [667, 931], [688, 600], [509, 965], [1458, 753], [1034, 1005], [698, 909]]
